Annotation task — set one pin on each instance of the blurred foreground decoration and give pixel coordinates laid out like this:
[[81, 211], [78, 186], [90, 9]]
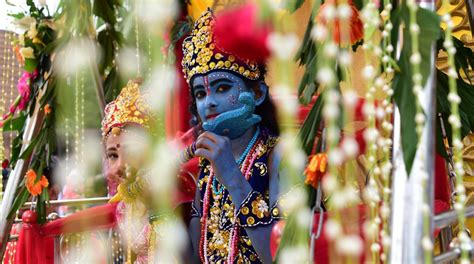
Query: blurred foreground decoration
[[356, 201]]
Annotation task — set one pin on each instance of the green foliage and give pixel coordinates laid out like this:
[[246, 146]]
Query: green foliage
[[463, 58], [30, 64], [14, 124], [311, 125], [294, 5], [20, 199], [466, 107], [402, 82], [306, 56]]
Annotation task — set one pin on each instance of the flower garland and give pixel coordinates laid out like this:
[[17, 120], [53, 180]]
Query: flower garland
[[455, 121]]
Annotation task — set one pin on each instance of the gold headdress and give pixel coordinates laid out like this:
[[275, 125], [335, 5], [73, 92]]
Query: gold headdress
[[128, 108], [202, 55]]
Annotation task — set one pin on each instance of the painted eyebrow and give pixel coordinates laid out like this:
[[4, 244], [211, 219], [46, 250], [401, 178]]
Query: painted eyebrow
[[199, 86], [216, 81], [112, 149]]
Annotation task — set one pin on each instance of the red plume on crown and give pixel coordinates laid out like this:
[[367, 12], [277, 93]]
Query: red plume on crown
[[239, 32]]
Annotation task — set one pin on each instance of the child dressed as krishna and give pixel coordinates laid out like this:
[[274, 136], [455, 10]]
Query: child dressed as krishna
[[235, 205]]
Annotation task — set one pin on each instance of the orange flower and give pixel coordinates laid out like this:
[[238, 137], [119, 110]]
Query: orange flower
[[316, 169], [47, 109], [19, 57], [35, 187], [353, 25]]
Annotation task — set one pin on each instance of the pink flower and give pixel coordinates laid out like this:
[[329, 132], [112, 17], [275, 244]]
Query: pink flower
[[23, 102], [12, 110], [24, 88]]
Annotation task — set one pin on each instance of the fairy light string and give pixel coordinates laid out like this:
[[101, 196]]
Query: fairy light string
[[137, 40], [7, 99], [3, 96], [82, 127], [12, 85], [455, 121], [76, 120]]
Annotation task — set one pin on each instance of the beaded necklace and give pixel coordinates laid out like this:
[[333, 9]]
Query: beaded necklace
[[247, 160], [216, 191]]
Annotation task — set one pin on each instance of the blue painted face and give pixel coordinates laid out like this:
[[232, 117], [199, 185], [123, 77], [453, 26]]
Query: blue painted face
[[216, 93], [225, 104]]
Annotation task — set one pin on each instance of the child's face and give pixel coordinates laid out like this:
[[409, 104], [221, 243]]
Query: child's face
[[216, 93], [114, 165], [127, 148]]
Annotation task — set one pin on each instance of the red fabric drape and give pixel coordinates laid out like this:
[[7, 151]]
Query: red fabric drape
[[32, 247], [94, 218]]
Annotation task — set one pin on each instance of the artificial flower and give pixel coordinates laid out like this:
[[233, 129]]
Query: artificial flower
[[35, 187], [354, 22], [32, 32], [47, 109], [49, 23], [37, 41], [316, 169], [27, 52], [18, 55], [248, 39], [5, 163], [24, 88], [21, 40], [24, 22]]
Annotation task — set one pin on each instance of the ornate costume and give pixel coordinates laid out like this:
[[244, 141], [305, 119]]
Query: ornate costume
[[129, 109], [223, 236], [221, 224]]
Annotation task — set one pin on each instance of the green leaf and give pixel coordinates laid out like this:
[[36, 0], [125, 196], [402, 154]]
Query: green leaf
[[14, 124], [27, 152], [41, 206], [308, 93], [292, 6], [30, 65], [17, 15], [310, 126], [402, 82], [20, 199], [466, 106]]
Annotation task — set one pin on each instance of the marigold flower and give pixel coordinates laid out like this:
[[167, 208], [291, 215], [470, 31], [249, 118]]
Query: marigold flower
[[18, 55], [47, 109], [354, 23], [33, 186], [33, 31], [316, 169]]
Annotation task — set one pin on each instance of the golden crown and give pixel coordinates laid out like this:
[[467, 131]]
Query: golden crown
[[201, 54], [129, 108]]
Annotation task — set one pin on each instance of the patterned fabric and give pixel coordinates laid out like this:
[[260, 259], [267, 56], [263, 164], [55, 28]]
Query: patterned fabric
[[221, 213], [202, 55], [134, 227]]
